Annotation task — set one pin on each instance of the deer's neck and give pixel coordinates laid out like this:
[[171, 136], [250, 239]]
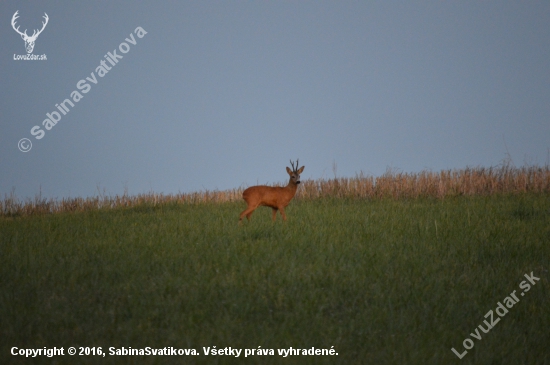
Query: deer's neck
[[292, 187]]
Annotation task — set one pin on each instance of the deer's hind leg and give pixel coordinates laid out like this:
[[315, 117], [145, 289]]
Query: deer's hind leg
[[274, 214], [247, 212]]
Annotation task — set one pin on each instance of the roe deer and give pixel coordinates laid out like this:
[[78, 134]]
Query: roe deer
[[276, 198]]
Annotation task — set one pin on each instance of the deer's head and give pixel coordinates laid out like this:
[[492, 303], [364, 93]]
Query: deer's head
[[295, 172], [29, 41]]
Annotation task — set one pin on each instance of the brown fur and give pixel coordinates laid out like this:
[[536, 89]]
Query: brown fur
[[276, 198]]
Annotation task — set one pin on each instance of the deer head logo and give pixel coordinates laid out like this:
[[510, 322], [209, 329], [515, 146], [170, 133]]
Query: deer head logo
[[29, 41]]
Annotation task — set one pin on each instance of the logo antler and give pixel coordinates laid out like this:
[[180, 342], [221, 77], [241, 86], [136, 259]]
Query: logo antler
[[29, 41]]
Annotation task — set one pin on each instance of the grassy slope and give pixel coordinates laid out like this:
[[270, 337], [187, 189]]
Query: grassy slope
[[386, 282]]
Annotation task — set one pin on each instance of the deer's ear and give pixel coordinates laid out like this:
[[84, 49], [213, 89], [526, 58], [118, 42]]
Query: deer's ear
[[301, 169], [289, 171]]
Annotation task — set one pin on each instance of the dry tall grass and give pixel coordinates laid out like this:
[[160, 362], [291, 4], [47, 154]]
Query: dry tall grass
[[470, 181]]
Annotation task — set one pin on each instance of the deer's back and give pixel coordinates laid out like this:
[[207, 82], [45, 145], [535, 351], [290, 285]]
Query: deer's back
[[268, 195]]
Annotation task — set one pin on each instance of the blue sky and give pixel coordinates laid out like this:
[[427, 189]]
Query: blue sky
[[219, 95]]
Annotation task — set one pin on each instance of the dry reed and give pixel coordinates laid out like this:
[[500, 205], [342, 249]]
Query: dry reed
[[504, 179]]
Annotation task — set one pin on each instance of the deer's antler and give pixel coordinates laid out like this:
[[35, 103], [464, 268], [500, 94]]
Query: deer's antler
[[295, 168]]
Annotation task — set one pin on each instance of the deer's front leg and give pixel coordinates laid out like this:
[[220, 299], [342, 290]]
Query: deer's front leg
[[282, 209]]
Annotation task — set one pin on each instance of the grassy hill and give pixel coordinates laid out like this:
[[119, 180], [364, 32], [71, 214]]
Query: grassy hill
[[381, 281]]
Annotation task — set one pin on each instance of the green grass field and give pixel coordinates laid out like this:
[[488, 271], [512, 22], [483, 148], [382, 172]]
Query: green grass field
[[381, 281]]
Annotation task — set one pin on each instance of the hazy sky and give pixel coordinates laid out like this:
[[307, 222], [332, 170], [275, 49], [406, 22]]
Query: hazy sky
[[218, 95]]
